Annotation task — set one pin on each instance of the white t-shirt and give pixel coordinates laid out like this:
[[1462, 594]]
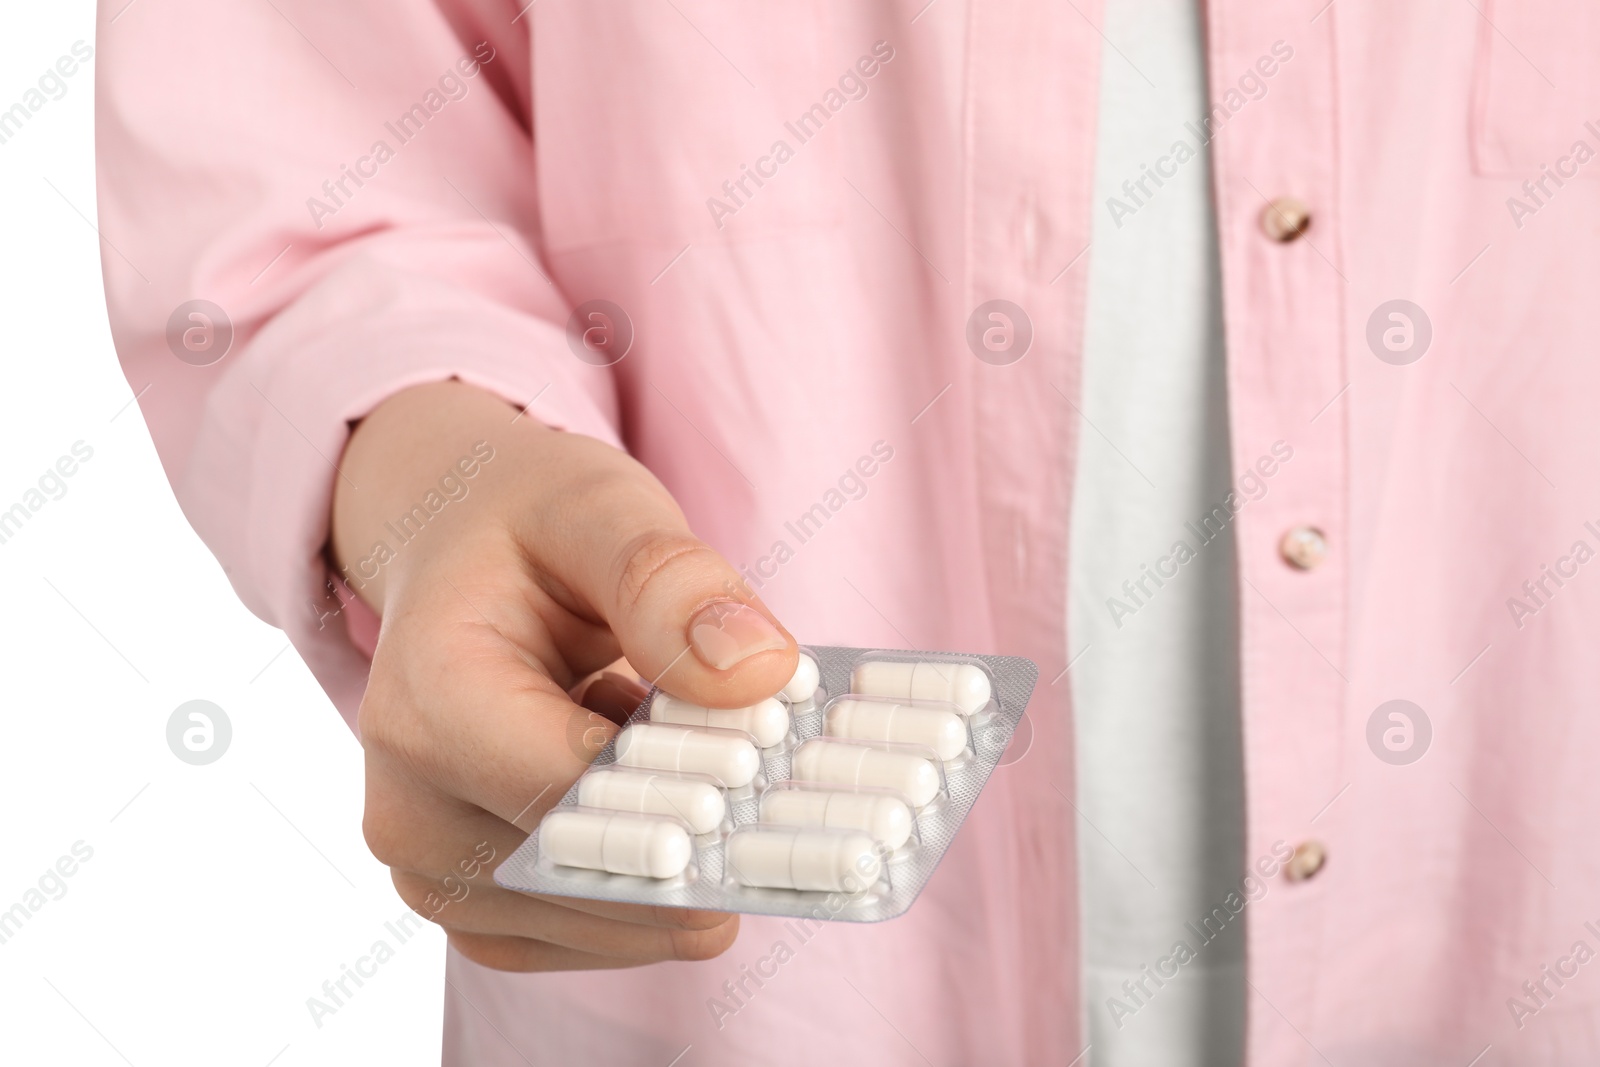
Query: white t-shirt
[[1160, 779]]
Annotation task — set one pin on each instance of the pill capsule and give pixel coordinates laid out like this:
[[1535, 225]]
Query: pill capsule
[[618, 843], [803, 686], [731, 760], [845, 764], [962, 684], [699, 804], [804, 859], [767, 722], [886, 818], [938, 728]]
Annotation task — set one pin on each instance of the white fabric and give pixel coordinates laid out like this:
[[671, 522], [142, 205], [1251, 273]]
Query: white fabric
[[1156, 687]]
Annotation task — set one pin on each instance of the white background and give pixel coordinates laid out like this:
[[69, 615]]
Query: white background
[[219, 897]]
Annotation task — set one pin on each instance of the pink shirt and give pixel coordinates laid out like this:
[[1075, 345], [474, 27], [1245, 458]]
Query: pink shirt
[[786, 326]]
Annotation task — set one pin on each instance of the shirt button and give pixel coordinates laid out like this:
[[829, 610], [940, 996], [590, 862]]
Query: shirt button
[[1308, 858], [1303, 547], [1285, 219]]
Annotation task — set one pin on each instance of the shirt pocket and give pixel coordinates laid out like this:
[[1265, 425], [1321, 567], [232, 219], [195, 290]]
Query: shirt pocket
[[1536, 88], [697, 123]]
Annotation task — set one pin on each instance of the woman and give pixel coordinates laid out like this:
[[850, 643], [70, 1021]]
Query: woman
[[645, 269]]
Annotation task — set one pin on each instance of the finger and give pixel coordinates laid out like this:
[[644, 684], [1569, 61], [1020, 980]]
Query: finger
[[524, 954], [458, 846], [492, 910], [466, 716], [613, 696], [684, 617], [409, 825]]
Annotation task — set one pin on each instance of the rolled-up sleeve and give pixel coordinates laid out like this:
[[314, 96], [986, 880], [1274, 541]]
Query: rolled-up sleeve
[[354, 186]]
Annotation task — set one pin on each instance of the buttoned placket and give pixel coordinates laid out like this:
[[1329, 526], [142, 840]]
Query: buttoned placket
[[1275, 177]]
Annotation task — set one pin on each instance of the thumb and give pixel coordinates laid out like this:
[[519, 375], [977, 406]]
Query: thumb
[[684, 617]]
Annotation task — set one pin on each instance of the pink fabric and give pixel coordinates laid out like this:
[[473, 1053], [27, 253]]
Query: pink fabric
[[827, 312]]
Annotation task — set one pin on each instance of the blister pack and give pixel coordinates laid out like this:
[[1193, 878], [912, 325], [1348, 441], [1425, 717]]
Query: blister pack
[[835, 799]]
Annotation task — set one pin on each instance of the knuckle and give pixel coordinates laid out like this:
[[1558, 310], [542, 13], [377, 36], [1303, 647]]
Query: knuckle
[[380, 718], [386, 837], [391, 836], [371, 722], [383, 837], [397, 735], [646, 560]]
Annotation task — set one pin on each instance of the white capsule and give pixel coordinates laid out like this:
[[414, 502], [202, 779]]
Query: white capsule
[[803, 686], [733, 761], [911, 776], [804, 859], [962, 684], [940, 729], [767, 722], [885, 817], [618, 843], [699, 804]]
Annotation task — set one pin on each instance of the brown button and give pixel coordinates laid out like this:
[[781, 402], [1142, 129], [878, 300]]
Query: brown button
[[1304, 547], [1308, 858], [1285, 219]]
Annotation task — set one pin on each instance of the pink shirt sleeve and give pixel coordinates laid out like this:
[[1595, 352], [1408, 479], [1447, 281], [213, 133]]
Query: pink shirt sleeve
[[355, 186]]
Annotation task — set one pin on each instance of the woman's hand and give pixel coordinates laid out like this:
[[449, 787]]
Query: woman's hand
[[556, 556]]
